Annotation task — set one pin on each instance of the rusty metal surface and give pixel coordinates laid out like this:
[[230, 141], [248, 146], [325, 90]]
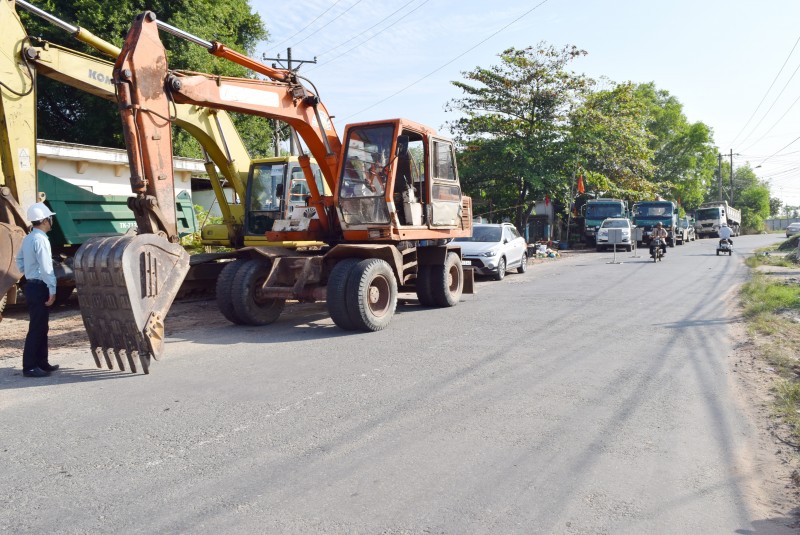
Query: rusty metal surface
[[11, 237], [126, 285]]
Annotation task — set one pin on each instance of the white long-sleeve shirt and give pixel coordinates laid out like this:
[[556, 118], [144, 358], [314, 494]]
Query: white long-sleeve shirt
[[35, 259], [724, 233]]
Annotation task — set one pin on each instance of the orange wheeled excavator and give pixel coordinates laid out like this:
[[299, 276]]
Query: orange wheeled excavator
[[396, 204]]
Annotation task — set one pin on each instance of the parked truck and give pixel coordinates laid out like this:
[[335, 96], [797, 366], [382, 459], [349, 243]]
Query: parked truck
[[711, 215], [647, 214], [595, 211]]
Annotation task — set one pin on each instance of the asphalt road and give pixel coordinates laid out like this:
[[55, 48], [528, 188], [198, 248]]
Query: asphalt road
[[581, 397]]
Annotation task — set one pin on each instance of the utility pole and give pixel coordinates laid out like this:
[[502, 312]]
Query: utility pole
[[719, 174], [731, 177], [289, 66]]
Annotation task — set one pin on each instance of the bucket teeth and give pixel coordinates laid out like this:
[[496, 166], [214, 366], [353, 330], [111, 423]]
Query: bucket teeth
[[126, 285]]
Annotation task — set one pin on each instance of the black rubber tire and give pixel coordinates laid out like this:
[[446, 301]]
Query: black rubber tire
[[523, 266], [599, 249], [717, 252], [225, 291], [3, 303], [246, 303], [423, 286], [501, 270], [447, 281], [337, 295], [63, 293], [372, 294]]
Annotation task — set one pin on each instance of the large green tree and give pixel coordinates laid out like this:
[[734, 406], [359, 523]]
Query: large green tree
[[514, 125], [609, 140], [66, 114], [684, 156]]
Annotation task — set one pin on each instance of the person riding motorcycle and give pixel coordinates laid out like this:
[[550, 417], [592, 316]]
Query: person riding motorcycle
[[659, 239], [725, 233]]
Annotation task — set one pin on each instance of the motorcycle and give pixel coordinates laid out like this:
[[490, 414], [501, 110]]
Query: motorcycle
[[657, 252], [724, 246]]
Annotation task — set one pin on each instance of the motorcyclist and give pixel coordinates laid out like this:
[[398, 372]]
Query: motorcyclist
[[659, 239], [725, 233]]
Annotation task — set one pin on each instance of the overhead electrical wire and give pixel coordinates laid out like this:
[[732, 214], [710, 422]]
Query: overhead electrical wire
[[767, 92], [769, 110], [329, 22], [301, 30], [451, 61], [361, 43]]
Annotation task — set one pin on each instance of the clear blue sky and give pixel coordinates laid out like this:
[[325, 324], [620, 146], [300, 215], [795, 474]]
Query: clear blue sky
[[379, 59]]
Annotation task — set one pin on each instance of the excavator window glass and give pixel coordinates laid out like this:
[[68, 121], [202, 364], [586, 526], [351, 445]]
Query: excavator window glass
[[364, 175], [265, 196]]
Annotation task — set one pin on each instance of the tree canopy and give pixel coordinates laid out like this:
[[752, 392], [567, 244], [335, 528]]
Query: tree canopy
[[530, 126], [66, 114]]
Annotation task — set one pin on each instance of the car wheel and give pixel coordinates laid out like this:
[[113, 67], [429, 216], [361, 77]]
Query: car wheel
[[629, 248], [501, 270], [523, 265], [371, 294]]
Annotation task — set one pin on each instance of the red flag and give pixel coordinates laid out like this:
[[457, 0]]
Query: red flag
[[580, 184], [547, 200]]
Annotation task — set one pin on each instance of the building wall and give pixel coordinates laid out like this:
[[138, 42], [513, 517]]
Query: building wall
[[102, 170]]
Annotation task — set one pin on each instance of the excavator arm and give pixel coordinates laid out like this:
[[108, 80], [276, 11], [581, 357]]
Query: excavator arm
[[18, 186]]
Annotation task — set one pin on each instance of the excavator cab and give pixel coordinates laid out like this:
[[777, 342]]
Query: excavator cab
[[277, 189], [397, 174]]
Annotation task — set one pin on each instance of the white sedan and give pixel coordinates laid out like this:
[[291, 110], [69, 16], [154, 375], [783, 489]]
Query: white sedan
[[615, 223]]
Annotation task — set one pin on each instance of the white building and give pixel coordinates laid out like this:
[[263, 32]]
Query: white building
[[105, 171]]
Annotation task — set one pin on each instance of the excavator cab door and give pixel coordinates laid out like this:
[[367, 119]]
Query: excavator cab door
[[362, 189], [444, 188], [265, 196]]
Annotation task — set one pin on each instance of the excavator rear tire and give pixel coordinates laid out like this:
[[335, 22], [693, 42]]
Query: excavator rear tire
[[337, 294], [225, 291], [372, 294], [3, 303], [447, 281], [423, 286], [247, 304]]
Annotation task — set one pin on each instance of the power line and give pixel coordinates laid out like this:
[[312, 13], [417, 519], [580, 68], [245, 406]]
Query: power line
[[770, 109], [451, 61], [301, 30], [360, 44], [374, 25], [329, 22], [767, 92]]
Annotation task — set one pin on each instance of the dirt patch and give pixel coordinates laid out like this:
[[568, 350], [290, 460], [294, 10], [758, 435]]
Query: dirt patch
[[67, 330]]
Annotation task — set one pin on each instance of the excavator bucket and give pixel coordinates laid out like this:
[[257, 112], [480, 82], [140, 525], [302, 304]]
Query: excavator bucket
[[126, 285], [11, 237]]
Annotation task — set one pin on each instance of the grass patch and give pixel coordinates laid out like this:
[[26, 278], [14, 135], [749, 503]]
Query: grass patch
[[764, 295], [772, 310]]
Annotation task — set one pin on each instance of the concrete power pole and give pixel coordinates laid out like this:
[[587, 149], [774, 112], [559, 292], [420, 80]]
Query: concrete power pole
[[719, 174], [289, 66]]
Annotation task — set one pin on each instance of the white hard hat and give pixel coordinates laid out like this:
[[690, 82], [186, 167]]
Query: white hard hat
[[39, 211]]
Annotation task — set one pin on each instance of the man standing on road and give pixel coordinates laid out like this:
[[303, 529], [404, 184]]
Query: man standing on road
[[35, 261]]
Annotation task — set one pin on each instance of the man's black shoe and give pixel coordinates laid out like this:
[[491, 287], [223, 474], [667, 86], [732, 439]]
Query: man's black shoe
[[49, 367], [35, 372]]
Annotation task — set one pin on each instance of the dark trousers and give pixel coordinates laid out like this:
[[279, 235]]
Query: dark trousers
[[35, 353]]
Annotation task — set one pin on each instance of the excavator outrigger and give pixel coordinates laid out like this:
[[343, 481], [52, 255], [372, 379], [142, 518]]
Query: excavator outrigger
[[396, 204]]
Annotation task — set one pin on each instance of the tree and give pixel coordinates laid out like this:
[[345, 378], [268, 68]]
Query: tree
[[684, 157], [608, 136], [66, 114], [775, 206], [516, 120]]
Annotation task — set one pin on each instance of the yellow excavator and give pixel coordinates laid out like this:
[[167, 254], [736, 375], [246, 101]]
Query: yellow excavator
[[278, 186]]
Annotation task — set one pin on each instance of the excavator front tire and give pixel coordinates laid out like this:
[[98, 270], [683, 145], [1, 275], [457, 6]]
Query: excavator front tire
[[447, 281], [371, 294], [337, 295], [423, 286], [225, 291], [247, 303]]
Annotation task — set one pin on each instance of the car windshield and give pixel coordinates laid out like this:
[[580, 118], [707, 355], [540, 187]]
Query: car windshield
[[615, 223], [484, 234]]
